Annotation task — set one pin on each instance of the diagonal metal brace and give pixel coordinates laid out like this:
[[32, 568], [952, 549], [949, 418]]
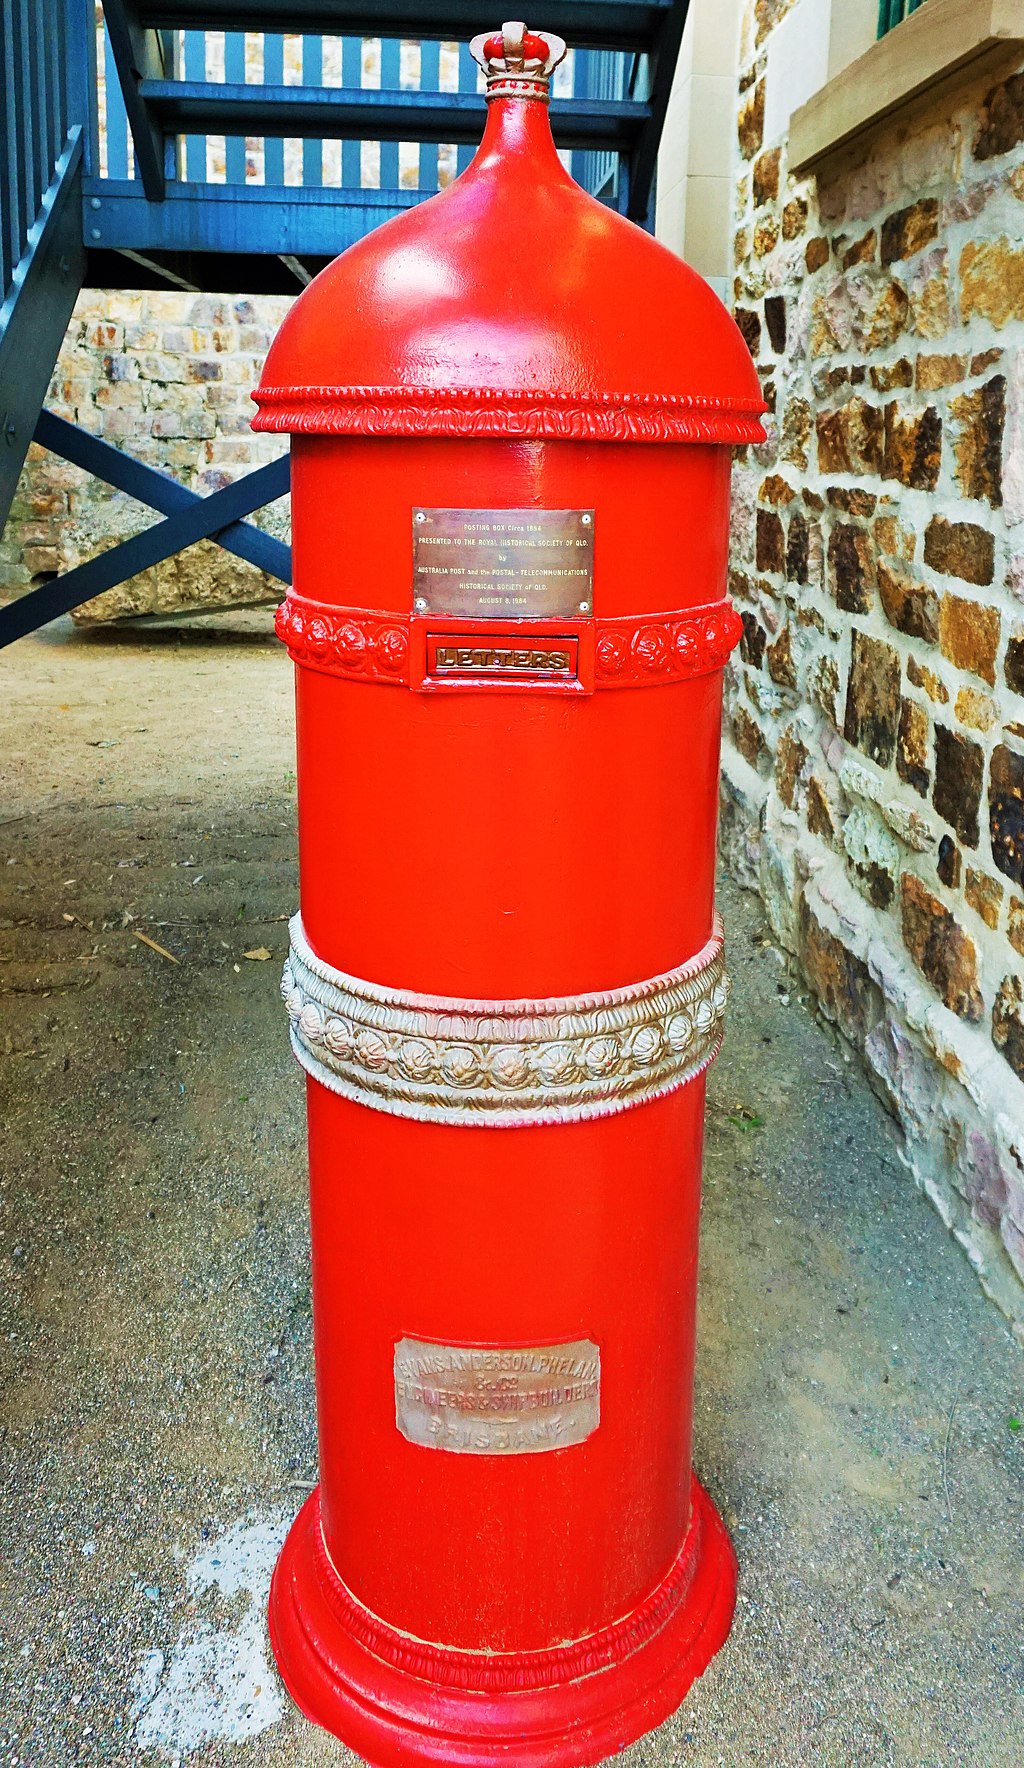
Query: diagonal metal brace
[[159, 491], [189, 518]]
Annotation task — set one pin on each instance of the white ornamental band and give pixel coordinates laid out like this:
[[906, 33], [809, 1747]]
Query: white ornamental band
[[504, 1063]]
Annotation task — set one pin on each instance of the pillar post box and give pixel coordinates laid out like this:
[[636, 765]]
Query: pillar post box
[[511, 415]]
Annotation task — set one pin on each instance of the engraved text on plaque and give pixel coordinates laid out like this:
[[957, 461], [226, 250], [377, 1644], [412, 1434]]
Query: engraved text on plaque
[[497, 1402], [503, 564]]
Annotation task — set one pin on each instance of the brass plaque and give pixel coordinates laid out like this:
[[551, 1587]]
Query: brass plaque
[[503, 564], [497, 1402]]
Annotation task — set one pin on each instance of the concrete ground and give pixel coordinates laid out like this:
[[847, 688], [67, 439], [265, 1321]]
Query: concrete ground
[[858, 1400]]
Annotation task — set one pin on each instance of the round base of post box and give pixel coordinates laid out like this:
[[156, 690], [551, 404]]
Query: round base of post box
[[398, 1700]]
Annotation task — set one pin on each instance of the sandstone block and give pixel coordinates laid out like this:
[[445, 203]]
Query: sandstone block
[[1008, 1023], [893, 538], [984, 895], [750, 127], [820, 820], [977, 710], [981, 416], [913, 447], [851, 568], [257, 338], [41, 561], [794, 218], [886, 376], [992, 281], [929, 294], [816, 255], [754, 639], [210, 310], [824, 686], [872, 855], [922, 677], [771, 542], [1006, 812], [935, 372], [120, 368], [949, 864], [941, 950], [881, 312], [910, 606], [960, 549], [779, 657], [959, 775], [910, 230], [765, 178], [775, 320], [790, 761], [122, 396], [767, 14], [969, 635], [840, 980], [862, 251], [913, 747], [852, 500], [1001, 124], [776, 490], [851, 439], [747, 736], [141, 336], [204, 368], [766, 236], [871, 719], [1015, 664], [798, 549]]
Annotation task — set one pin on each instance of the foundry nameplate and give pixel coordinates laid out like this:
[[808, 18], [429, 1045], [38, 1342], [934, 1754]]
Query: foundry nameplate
[[497, 1401], [503, 564]]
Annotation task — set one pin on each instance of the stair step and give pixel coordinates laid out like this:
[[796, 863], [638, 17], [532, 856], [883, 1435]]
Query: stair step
[[359, 114], [586, 24]]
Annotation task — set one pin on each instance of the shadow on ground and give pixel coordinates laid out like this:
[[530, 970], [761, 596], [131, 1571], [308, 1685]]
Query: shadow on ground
[[856, 1401]]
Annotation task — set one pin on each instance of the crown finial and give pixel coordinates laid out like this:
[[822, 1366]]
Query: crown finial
[[518, 63]]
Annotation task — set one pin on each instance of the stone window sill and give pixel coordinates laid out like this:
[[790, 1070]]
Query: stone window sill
[[933, 46]]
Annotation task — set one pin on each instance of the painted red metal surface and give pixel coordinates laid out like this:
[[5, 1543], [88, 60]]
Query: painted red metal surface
[[506, 842]]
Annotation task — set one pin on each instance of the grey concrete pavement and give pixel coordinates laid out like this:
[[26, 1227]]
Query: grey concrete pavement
[[857, 1399]]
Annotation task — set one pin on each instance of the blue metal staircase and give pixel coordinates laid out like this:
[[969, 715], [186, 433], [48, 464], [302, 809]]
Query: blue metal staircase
[[237, 146]]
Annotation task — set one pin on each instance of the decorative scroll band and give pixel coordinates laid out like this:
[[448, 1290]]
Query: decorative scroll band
[[362, 645], [506, 1063], [670, 647], [506, 411], [502, 1672], [351, 642]]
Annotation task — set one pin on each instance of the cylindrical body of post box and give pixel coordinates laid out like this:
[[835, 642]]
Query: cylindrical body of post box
[[511, 415]]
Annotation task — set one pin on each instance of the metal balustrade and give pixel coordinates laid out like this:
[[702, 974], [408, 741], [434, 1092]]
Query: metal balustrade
[[236, 146], [45, 80], [335, 133], [892, 13]]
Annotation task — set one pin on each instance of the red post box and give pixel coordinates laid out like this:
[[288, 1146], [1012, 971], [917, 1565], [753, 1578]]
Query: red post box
[[511, 414]]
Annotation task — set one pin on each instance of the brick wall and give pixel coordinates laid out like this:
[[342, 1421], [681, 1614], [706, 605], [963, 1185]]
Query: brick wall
[[874, 766], [166, 377]]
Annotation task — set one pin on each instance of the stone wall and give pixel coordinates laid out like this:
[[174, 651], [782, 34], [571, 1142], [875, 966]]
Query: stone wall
[[166, 377], [874, 764]]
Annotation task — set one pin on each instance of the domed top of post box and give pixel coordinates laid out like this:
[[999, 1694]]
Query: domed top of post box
[[512, 304]]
